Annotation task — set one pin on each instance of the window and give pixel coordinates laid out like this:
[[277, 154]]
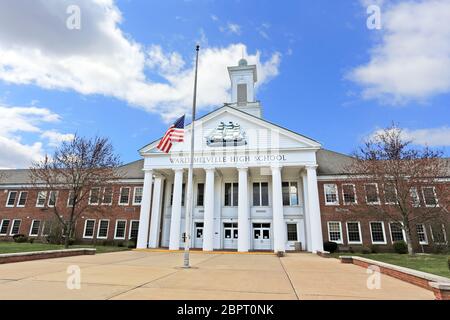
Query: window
[[137, 195], [15, 227], [354, 232], [103, 227], [438, 234], [331, 195], [182, 194], [71, 199], [12, 195], [53, 196], [429, 196], [396, 231], [121, 226], [107, 196], [260, 194], [335, 231], [421, 234], [242, 93], [34, 230], [46, 228], [230, 230], [4, 227], [414, 197], [377, 232], [290, 193], [349, 193], [292, 232], [124, 198], [231, 194], [372, 193], [89, 226], [390, 193], [134, 229], [22, 199], [94, 196], [200, 194], [41, 197]]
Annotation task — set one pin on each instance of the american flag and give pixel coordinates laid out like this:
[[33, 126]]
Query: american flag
[[175, 133]]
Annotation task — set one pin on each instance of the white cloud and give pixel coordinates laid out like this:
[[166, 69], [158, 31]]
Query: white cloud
[[100, 59], [412, 59], [232, 28], [55, 138], [433, 137], [14, 122]]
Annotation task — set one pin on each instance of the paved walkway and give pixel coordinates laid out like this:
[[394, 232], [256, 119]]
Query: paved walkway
[[155, 275]]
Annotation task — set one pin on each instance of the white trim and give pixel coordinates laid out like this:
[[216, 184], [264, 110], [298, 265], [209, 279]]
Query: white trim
[[260, 194], [334, 203], [134, 195], [102, 202], [354, 191], [384, 232], [378, 193], [85, 227], [444, 232], [98, 196], [18, 199], [9, 197], [50, 196], [435, 197], [98, 229], [12, 226], [130, 227], [340, 231], [359, 230], [124, 230], [385, 197], [68, 199], [415, 204], [31, 228], [424, 232], [390, 231], [120, 196], [1, 226], [44, 193], [289, 182]]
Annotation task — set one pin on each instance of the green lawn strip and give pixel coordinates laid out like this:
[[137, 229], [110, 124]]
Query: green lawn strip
[[431, 263], [12, 247]]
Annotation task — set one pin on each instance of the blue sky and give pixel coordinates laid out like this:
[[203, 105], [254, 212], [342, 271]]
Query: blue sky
[[334, 79]]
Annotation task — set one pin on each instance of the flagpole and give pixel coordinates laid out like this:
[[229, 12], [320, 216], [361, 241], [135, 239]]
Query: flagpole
[[189, 202]]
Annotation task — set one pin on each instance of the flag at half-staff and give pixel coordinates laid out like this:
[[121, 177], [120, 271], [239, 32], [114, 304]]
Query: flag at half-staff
[[175, 133]]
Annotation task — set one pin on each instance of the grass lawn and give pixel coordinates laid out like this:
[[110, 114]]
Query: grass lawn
[[12, 247], [431, 263]]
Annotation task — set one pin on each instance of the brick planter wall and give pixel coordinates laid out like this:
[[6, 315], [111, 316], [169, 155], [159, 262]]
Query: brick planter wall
[[37, 255]]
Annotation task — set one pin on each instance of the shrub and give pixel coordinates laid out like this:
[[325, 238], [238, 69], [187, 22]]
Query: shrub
[[374, 248], [120, 244], [20, 238], [366, 250], [400, 247], [448, 263], [330, 246], [31, 240]]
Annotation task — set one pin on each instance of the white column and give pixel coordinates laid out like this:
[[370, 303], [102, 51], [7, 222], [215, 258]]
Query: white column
[[144, 217], [314, 209], [243, 212], [208, 218], [175, 221], [279, 227], [155, 221], [308, 240]]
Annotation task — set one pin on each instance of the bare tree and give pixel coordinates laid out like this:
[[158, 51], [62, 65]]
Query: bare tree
[[77, 167], [410, 179]]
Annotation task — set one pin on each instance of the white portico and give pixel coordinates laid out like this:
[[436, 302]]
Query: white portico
[[255, 183]]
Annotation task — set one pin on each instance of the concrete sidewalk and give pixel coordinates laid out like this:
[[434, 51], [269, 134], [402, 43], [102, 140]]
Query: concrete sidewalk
[[156, 275]]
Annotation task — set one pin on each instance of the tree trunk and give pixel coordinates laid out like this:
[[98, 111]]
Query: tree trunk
[[408, 239], [67, 235]]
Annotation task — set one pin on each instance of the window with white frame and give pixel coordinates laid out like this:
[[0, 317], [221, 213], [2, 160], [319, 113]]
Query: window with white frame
[[12, 195], [23, 195], [200, 194], [377, 232], [231, 194], [137, 195], [103, 226], [396, 231], [438, 234], [331, 194], [349, 193], [121, 227], [94, 196], [15, 228], [292, 232], [46, 227], [89, 227], [34, 229], [134, 229], [52, 198], [124, 198], [390, 193], [354, 232], [70, 199], [414, 197], [372, 196], [41, 198], [260, 194], [421, 234], [4, 227], [335, 231], [290, 193], [107, 196], [429, 196]]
